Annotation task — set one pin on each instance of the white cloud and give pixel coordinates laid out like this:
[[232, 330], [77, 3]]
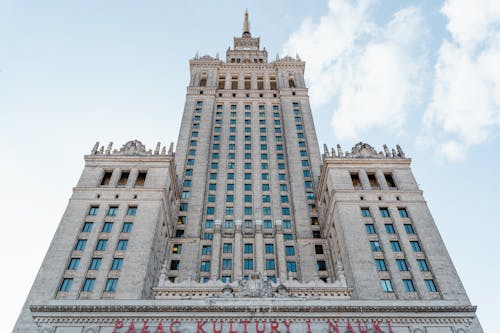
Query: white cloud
[[369, 72], [465, 106]]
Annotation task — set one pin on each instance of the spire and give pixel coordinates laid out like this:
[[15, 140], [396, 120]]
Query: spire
[[246, 26]]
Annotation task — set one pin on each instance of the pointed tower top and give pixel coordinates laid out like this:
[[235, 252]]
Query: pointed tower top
[[246, 26]]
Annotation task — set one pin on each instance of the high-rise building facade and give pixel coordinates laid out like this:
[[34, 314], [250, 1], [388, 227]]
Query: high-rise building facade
[[247, 227]]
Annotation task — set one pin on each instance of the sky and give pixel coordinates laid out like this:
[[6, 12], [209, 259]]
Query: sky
[[424, 74]]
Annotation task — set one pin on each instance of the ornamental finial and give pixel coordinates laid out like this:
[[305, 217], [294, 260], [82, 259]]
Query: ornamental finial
[[246, 25]]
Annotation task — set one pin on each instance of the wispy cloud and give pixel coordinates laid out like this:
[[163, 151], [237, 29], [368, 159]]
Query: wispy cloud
[[465, 107], [368, 72]]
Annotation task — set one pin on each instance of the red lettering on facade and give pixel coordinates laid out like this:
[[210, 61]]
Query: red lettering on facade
[[131, 328], [159, 328], [349, 328], [333, 326], [145, 326], [231, 330], [274, 326], [215, 328], [118, 325], [200, 327], [376, 327], [245, 322], [258, 329], [362, 329], [175, 322], [389, 326], [287, 325]]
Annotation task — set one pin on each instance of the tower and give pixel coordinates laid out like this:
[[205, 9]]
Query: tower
[[246, 227]]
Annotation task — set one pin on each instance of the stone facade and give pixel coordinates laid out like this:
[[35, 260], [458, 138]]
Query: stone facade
[[246, 228]]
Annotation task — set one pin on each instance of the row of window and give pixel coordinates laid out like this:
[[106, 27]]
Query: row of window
[[112, 211], [101, 245], [372, 180], [124, 178], [88, 285], [107, 227], [384, 212], [95, 264], [402, 265], [408, 285]]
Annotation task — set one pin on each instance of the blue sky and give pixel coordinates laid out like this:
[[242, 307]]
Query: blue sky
[[423, 74]]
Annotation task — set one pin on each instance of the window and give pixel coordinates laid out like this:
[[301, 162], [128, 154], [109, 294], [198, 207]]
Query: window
[[209, 224], [184, 207], [402, 266], [195, 134], [190, 162], [247, 210], [305, 163], [373, 181], [248, 264], [409, 287], [227, 264], [288, 236], [93, 210], [132, 210], [291, 266], [265, 176], [122, 245], [95, 264], [375, 246], [287, 224], [355, 180], [179, 233], [316, 234], [113, 210], [386, 285], [174, 265], [248, 156], [194, 143], [384, 212], [248, 248], [265, 187], [248, 198], [206, 250], [73, 263], [205, 266], [370, 229], [389, 180], [111, 285], [227, 248], [318, 249], [270, 264], [181, 220], [409, 229], [321, 264], [212, 187], [106, 178], [177, 248], [213, 176], [283, 187], [80, 245], [269, 248], [395, 246], [107, 227], [211, 198], [389, 228], [429, 284], [210, 210], [226, 278], [66, 285], [248, 166], [185, 195], [264, 166], [186, 183], [215, 165], [284, 198], [192, 152], [402, 212], [281, 166], [117, 264], [308, 184], [88, 285], [307, 173], [266, 210], [248, 187], [380, 264], [101, 244], [215, 146], [282, 176], [415, 246], [422, 265], [279, 147], [87, 227], [303, 153], [229, 210], [229, 198], [188, 172], [289, 250], [285, 211]]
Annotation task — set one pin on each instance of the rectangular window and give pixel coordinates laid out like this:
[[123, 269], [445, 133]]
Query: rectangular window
[[248, 198], [285, 211], [73, 263], [87, 227], [186, 183], [284, 198], [248, 264], [389, 228], [355, 180], [415, 246], [373, 181], [93, 210], [318, 248], [174, 265], [117, 264], [209, 224], [270, 264], [192, 152], [248, 223], [123, 178], [370, 229], [210, 210], [289, 251], [380, 264], [402, 212], [229, 211], [395, 246], [101, 245], [422, 265], [375, 246], [248, 248], [409, 229], [95, 264], [308, 184], [184, 206], [106, 178], [122, 245], [205, 266], [248, 187], [265, 187], [80, 245], [190, 162], [429, 284], [264, 176], [402, 266], [389, 180], [227, 248], [88, 285], [386, 285], [409, 287], [384, 212], [211, 198], [226, 278], [268, 224], [291, 266], [66, 285], [177, 248], [283, 187], [247, 210], [229, 198], [269, 248], [212, 187], [206, 250], [113, 210], [321, 264], [267, 211], [185, 195], [227, 264], [111, 285], [288, 236], [107, 226]]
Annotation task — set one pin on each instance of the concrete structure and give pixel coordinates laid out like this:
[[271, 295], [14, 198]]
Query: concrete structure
[[251, 230]]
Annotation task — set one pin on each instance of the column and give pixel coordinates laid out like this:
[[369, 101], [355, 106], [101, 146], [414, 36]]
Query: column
[[259, 247], [215, 262], [238, 252], [132, 177], [253, 82], [267, 86], [280, 251], [228, 78]]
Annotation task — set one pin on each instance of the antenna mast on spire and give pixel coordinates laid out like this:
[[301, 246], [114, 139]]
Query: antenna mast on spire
[[246, 26]]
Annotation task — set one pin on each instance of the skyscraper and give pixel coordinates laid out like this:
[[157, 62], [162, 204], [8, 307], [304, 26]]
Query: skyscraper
[[247, 227]]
